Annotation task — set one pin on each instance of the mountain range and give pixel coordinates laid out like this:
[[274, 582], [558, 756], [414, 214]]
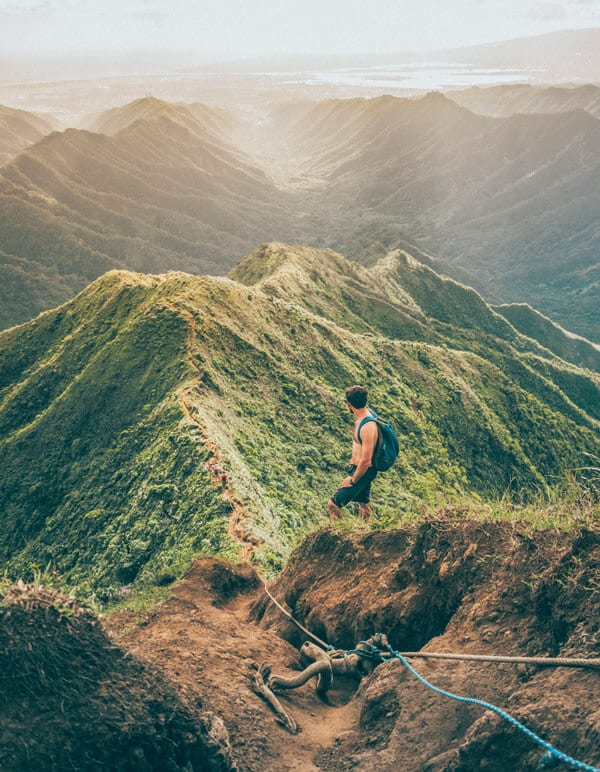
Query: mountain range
[[165, 190], [507, 205], [554, 57], [512, 98], [19, 129], [113, 404]]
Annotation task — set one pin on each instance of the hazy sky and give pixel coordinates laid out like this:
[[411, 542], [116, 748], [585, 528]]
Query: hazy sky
[[238, 28]]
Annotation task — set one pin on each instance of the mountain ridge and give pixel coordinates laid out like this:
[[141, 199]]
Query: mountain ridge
[[19, 129], [119, 399], [507, 201], [158, 195], [504, 204], [508, 99], [113, 121]]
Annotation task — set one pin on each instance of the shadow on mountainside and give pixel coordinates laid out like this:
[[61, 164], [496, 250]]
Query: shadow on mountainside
[[446, 585]]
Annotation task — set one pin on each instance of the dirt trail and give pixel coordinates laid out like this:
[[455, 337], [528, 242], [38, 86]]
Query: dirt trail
[[202, 640], [237, 521]]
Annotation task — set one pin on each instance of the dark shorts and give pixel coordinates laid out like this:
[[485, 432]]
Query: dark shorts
[[360, 492]]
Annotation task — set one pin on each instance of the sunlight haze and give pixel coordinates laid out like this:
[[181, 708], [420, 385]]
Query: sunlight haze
[[234, 28]]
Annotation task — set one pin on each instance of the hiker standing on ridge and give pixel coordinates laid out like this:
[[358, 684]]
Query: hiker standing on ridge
[[357, 486]]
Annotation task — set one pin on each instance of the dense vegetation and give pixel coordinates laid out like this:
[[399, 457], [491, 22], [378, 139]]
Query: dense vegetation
[[110, 403]]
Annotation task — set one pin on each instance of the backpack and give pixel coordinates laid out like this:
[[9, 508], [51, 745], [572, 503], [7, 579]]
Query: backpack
[[387, 446]]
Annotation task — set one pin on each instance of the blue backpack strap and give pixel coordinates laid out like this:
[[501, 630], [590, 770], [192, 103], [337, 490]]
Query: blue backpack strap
[[362, 423]]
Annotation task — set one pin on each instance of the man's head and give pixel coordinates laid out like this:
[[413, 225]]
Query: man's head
[[356, 396]]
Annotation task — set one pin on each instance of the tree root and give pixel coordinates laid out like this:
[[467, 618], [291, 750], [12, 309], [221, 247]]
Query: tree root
[[323, 667], [260, 687]]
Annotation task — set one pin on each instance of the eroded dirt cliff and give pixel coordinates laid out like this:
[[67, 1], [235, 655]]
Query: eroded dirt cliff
[[444, 586]]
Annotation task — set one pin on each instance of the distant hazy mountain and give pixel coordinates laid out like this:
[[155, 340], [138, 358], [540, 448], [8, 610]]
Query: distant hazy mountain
[[111, 122], [19, 129], [111, 405], [563, 56], [166, 191], [512, 202], [500, 101]]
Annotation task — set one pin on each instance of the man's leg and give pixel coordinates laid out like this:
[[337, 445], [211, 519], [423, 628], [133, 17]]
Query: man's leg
[[365, 511], [335, 513]]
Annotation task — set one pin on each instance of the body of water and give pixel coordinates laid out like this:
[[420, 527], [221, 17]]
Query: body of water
[[423, 75]]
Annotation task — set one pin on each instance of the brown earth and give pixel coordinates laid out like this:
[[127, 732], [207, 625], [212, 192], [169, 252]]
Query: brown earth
[[203, 640], [446, 585], [70, 699]]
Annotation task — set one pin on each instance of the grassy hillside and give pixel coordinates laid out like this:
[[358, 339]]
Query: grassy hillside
[[567, 346], [19, 129], [166, 192], [111, 405], [510, 201]]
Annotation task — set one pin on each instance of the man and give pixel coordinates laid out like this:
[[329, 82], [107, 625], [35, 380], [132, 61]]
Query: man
[[357, 486]]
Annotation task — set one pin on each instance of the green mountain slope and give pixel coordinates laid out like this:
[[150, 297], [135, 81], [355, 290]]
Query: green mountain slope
[[510, 202], [19, 129], [111, 405], [166, 192], [567, 346]]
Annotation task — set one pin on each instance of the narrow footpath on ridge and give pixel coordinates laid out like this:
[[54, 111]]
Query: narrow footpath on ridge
[[202, 638], [237, 521]]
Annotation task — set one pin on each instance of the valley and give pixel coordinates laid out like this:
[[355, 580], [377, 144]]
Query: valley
[[504, 204], [188, 281]]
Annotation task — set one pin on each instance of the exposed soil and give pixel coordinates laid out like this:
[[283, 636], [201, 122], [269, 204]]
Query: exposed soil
[[489, 588], [70, 699], [204, 641], [176, 693], [447, 585]]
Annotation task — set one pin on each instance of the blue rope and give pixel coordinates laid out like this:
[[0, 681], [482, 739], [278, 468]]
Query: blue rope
[[374, 652]]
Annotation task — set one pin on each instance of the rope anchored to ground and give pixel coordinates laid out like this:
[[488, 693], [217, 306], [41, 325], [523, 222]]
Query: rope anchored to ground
[[367, 654]]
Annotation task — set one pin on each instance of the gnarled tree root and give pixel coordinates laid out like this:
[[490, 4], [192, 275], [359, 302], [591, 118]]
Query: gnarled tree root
[[323, 667], [260, 687]]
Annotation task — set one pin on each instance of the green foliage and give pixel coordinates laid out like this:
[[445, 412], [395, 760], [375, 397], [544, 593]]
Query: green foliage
[[106, 460], [107, 406]]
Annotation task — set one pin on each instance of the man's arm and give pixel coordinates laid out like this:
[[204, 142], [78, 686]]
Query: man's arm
[[368, 435]]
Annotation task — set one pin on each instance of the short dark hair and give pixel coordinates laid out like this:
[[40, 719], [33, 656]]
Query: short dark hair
[[356, 396]]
